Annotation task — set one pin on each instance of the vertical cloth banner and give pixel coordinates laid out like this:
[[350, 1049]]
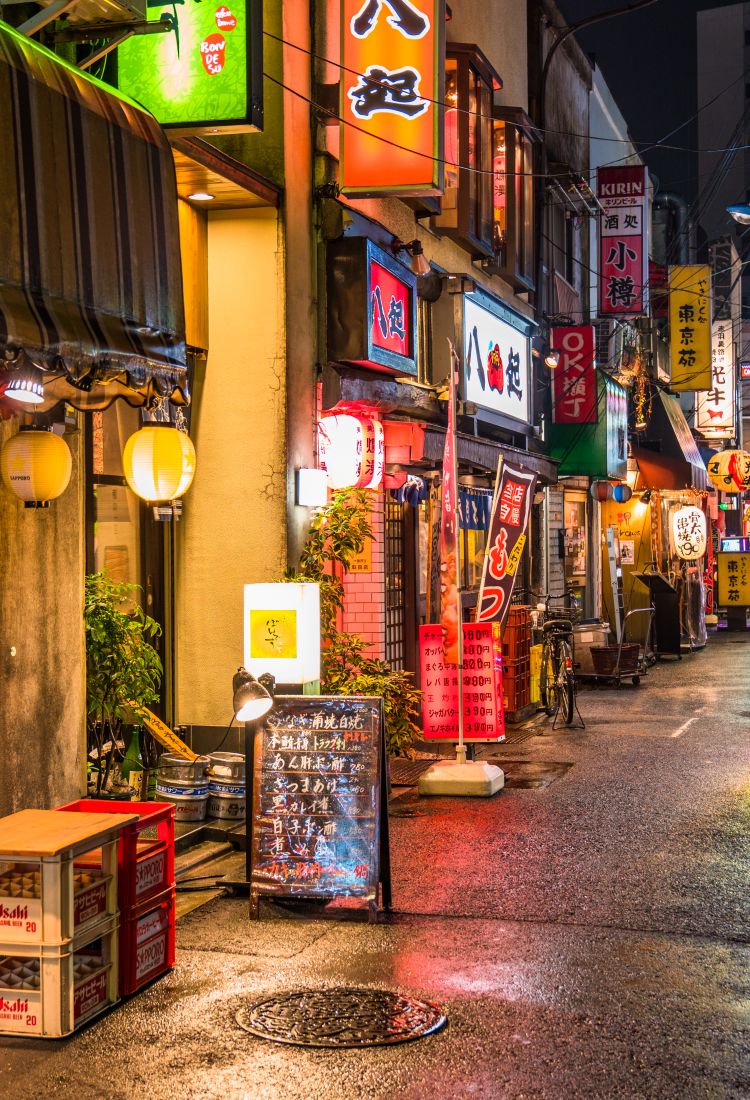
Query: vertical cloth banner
[[690, 326], [507, 538], [450, 609]]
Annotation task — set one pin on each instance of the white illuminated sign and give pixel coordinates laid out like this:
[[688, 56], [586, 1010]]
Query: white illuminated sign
[[496, 363]]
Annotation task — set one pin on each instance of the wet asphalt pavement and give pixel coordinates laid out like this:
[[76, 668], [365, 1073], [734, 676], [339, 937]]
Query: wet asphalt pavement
[[587, 938]]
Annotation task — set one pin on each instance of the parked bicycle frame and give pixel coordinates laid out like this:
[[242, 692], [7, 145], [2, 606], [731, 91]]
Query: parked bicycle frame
[[557, 682]]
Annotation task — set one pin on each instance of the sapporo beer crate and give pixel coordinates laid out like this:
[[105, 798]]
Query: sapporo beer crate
[[517, 633], [49, 990], [52, 888], [146, 849], [147, 942]]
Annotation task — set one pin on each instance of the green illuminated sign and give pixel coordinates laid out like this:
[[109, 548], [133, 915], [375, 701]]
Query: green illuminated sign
[[205, 75]]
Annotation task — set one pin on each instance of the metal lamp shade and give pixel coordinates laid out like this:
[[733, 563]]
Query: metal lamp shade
[[250, 700], [159, 462], [36, 465]]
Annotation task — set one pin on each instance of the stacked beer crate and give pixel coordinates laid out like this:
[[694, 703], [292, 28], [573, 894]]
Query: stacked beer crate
[[516, 659], [146, 890], [59, 921]]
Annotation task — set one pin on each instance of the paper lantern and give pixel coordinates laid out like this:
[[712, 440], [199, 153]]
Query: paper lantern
[[689, 533], [159, 462], [602, 490], [721, 471], [739, 467], [352, 451], [36, 465], [622, 493]]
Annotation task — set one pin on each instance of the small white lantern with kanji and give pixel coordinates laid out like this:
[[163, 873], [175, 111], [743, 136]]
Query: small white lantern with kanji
[[352, 451], [689, 533]]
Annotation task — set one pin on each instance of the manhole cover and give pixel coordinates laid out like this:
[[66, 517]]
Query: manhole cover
[[517, 738], [340, 1018]]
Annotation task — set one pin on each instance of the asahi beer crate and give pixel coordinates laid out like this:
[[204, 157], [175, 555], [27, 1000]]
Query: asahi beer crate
[[57, 880], [147, 942], [49, 990], [146, 849]]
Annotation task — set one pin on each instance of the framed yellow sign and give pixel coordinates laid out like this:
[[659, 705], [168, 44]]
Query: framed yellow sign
[[734, 580], [273, 634], [282, 631]]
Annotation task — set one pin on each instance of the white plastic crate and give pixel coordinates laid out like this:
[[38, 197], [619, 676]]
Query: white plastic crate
[[58, 876], [51, 989]]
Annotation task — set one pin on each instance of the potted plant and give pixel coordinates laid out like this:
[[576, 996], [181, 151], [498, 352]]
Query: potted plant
[[123, 671], [337, 533]]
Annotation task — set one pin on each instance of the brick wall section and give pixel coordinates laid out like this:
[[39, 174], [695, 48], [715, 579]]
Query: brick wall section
[[364, 599]]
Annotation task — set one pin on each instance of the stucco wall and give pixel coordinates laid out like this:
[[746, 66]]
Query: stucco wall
[[499, 28], [233, 530], [42, 684]]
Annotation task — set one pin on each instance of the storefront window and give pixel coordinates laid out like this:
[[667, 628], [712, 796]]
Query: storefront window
[[467, 205], [575, 543], [513, 201], [473, 544]]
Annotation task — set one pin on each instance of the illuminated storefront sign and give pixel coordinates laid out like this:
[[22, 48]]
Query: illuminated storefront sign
[[688, 529], [690, 326], [734, 580], [282, 631], [484, 719], [392, 81], [574, 379], [623, 240], [372, 307], [206, 74], [715, 408], [496, 358]]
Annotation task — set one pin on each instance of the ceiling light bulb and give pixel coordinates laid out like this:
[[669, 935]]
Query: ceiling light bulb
[[26, 388], [201, 196]]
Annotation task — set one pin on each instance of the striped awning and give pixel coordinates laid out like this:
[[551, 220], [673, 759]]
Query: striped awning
[[90, 277]]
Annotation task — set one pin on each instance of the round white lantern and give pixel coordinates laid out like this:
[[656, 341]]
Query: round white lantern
[[352, 451], [36, 465], [689, 533], [159, 462]]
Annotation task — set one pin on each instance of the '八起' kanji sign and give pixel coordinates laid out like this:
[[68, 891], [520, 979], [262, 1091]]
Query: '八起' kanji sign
[[623, 240], [574, 379], [372, 307], [507, 538], [715, 408], [690, 326], [392, 80]]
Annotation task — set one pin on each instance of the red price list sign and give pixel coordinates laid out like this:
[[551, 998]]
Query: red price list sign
[[484, 719]]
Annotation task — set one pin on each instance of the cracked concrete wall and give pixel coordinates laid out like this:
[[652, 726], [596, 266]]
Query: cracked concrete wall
[[234, 529], [42, 667]]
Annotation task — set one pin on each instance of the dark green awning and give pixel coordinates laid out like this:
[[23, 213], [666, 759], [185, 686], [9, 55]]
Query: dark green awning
[[597, 450], [90, 277]]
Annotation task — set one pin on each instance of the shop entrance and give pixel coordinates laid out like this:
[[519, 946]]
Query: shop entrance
[[401, 618]]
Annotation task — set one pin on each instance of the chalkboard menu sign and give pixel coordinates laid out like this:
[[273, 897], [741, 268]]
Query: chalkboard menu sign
[[317, 798]]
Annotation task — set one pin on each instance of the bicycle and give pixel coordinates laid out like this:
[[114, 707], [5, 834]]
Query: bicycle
[[557, 682]]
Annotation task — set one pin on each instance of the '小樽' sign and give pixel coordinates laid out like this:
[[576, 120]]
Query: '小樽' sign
[[623, 240]]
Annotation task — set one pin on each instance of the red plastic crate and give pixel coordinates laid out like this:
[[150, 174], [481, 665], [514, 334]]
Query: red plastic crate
[[145, 864], [147, 945]]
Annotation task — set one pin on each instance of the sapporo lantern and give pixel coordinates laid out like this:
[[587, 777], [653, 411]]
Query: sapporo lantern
[[36, 465], [689, 533], [352, 451], [602, 490], [159, 462]]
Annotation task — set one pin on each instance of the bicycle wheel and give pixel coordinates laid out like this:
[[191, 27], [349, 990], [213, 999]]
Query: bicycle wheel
[[548, 685], [567, 683]]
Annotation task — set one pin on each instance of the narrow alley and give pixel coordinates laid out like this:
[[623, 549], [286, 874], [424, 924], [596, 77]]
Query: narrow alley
[[586, 931]]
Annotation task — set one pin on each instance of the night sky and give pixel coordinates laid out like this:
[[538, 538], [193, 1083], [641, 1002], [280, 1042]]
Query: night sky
[[648, 61]]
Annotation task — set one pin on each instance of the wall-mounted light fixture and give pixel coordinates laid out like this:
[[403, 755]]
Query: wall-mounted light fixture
[[420, 265], [551, 357], [25, 385], [312, 488]]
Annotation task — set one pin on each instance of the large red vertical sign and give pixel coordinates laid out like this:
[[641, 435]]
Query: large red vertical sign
[[623, 240], [574, 379], [450, 600], [392, 81]]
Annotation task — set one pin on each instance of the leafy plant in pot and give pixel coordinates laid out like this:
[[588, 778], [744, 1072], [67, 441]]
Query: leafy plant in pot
[[123, 671], [338, 532]]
